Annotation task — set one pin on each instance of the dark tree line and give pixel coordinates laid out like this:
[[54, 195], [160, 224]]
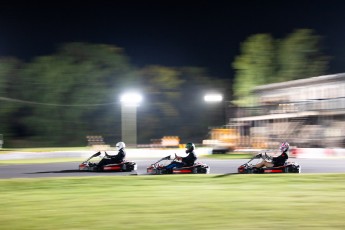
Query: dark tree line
[[58, 100]]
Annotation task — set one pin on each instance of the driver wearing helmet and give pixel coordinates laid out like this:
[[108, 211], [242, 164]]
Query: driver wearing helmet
[[189, 160], [276, 161], [113, 159]]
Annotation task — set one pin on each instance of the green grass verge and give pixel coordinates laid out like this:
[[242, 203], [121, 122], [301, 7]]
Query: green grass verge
[[40, 161], [286, 201], [38, 150]]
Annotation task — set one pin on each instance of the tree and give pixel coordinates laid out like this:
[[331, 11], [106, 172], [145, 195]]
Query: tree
[[74, 93], [175, 105], [161, 86], [63, 97], [9, 85], [299, 56], [197, 116], [264, 60], [254, 66]]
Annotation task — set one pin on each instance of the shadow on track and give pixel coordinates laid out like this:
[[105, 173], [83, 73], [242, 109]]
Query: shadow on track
[[61, 171], [81, 171], [227, 174]]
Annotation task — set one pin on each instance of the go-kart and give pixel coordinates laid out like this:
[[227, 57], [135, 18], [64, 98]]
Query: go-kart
[[124, 166], [288, 167], [160, 168]]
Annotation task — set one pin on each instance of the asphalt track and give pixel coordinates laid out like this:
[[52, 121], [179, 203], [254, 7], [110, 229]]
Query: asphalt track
[[220, 167]]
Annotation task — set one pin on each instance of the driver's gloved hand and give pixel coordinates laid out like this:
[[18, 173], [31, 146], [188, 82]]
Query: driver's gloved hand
[[268, 157]]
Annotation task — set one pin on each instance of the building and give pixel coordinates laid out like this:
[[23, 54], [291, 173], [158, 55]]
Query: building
[[306, 112]]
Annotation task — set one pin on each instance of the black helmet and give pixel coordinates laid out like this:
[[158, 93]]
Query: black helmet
[[190, 147]]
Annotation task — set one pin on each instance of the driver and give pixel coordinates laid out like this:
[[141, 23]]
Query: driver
[[276, 161], [114, 159], [189, 160]]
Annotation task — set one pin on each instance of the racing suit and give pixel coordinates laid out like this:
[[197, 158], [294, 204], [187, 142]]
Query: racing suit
[[190, 159], [186, 161], [280, 160], [118, 158]]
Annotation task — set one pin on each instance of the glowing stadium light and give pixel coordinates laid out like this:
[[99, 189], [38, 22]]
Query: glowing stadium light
[[213, 98], [131, 99]]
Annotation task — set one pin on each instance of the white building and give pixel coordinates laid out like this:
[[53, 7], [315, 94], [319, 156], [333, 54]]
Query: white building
[[307, 113]]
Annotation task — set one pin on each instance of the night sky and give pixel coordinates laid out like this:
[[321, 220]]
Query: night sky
[[170, 33]]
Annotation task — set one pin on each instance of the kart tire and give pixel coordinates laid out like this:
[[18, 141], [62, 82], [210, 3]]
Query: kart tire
[[247, 171], [195, 170], [256, 170], [124, 167], [293, 169], [160, 171], [296, 169], [129, 167], [203, 170], [96, 169]]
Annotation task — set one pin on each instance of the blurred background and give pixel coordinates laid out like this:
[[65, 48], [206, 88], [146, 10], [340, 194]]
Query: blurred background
[[282, 81]]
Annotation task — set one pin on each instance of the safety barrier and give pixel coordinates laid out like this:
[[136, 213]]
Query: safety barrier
[[317, 152]]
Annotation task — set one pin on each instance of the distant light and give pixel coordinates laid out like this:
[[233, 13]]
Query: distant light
[[131, 99], [213, 98]]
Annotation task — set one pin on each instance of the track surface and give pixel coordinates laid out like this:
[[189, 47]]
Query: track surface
[[224, 167]]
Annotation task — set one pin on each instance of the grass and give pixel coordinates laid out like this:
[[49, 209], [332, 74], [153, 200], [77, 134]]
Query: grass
[[286, 201], [41, 160], [38, 150]]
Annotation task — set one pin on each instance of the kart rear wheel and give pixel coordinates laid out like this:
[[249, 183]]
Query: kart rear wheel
[[293, 169], [296, 169], [203, 170], [124, 168], [130, 167]]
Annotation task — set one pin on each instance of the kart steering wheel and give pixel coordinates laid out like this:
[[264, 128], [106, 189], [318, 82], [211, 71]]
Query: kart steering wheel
[[106, 155], [177, 158], [267, 157]]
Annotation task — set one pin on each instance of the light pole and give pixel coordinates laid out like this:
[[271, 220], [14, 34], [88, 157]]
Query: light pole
[[217, 98], [129, 103]]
